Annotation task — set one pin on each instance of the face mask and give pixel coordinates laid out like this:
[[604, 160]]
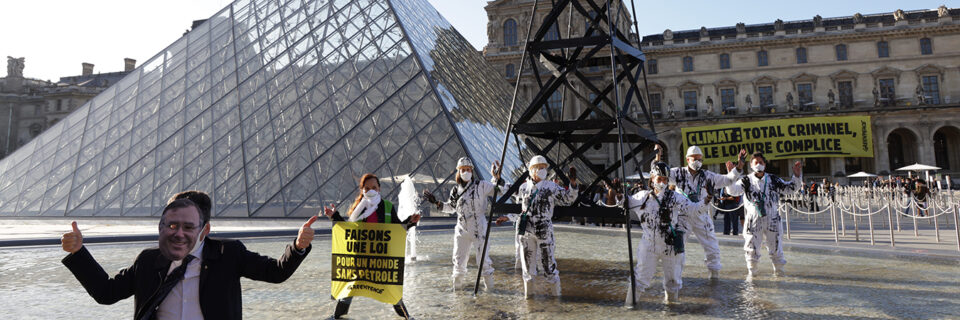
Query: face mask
[[696, 164], [466, 175], [758, 168], [660, 186], [542, 174], [370, 194]]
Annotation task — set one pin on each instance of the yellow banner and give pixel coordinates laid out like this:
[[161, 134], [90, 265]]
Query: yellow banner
[[813, 137], [368, 260]]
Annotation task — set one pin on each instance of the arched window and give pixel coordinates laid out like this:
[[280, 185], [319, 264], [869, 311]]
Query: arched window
[[883, 49], [586, 23], [762, 58], [554, 104], [652, 67], [841, 52], [926, 47], [510, 71], [801, 55], [687, 64], [510, 32], [724, 61], [553, 33]]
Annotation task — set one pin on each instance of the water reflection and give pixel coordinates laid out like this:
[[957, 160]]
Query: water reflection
[[34, 285]]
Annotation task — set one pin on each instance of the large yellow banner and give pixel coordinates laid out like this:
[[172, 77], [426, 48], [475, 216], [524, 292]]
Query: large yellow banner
[[813, 137], [368, 260]]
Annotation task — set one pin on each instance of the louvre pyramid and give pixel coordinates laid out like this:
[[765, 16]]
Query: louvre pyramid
[[275, 108]]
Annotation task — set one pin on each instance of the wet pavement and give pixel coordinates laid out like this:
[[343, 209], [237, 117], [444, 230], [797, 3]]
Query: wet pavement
[[820, 284]]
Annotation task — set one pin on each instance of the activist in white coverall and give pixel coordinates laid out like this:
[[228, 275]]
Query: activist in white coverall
[[761, 193], [659, 212], [537, 197], [469, 200], [696, 183]]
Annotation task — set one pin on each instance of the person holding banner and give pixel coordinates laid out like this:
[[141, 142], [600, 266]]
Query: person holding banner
[[696, 183], [469, 201], [761, 195], [537, 197], [371, 208], [659, 211]]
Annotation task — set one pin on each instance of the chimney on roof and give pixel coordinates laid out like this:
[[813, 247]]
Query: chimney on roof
[[87, 69], [129, 64]]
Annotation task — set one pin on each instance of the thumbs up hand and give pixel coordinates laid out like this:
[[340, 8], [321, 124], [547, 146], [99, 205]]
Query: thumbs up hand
[[72, 241], [305, 236]]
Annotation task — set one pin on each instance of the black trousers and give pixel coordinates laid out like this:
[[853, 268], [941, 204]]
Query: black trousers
[[343, 306], [731, 221]]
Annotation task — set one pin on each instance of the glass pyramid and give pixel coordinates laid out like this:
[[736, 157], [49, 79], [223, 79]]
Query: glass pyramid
[[275, 108]]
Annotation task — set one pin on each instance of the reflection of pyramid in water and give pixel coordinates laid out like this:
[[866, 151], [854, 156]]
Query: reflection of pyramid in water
[[275, 108]]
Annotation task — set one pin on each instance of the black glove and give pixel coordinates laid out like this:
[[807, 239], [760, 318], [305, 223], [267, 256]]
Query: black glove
[[429, 197]]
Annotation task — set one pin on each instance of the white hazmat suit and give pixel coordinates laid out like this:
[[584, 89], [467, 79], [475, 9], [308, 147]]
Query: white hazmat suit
[[696, 187], [536, 240], [660, 216], [470, 203], [761, 219]]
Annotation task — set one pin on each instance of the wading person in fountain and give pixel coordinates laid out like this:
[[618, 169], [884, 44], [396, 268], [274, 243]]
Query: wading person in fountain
[[469, 201], [190, 276], [695, 183], [659, 211], [761, 194], [371, 208], [537, 197]]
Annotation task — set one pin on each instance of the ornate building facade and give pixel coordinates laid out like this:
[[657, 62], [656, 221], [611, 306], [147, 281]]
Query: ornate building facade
[[900, 68], [29, 106]]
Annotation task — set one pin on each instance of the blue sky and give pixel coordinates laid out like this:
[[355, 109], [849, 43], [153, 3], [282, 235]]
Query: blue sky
[[56, 36]]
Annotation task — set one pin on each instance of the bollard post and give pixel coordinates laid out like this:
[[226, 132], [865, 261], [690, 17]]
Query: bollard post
[[890, 222], [870, 219], [936, 224], [786, 219], [916, 210], [955, 211], [833, 223], [856, 224], [898, 196], [843, 227]]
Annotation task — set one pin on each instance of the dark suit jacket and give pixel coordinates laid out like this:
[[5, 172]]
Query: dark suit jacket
[[224, 262]]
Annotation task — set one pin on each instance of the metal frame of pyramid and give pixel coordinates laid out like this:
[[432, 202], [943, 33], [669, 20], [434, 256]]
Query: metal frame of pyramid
[[274, 107]]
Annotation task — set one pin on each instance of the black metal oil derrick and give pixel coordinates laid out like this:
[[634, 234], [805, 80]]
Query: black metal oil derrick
[[608, 117]]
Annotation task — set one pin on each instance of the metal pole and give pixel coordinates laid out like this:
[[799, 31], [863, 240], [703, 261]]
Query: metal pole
[[916, 210], [956, 213], [833, 223], [843, 226], [931, 207], [898, 197], [623, 161], [856, 224], [503, 151], [890, 222], [786, 219], [870, 221]]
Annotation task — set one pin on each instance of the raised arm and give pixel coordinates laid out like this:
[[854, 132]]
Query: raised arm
[[735, 189]]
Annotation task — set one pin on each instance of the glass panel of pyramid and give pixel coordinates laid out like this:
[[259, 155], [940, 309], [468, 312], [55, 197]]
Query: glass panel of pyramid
[[274, 108]]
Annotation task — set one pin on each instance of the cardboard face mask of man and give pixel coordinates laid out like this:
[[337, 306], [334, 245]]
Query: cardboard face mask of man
[[181, 228]]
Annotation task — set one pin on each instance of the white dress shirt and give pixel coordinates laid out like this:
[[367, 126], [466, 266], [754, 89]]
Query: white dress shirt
[[183, 302]]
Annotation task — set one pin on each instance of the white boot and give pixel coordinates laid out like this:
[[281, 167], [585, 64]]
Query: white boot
[[631, 298], [778, 270], [556, 289], [527, 289], [488, 282], [714, 274], [671, 296], [458, 282], [752, 269]]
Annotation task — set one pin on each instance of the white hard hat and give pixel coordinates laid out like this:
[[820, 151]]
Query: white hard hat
[[692, 150], [537, 160], [464, 162]]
